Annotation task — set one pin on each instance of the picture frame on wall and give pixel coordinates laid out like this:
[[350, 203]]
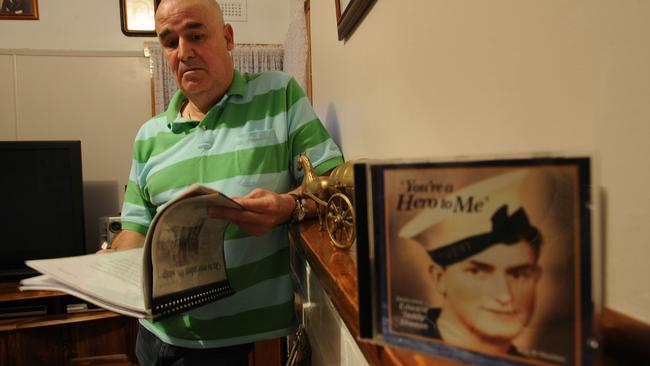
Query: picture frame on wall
[[349, 14], [479, 261], [19, 9], [137, 17]]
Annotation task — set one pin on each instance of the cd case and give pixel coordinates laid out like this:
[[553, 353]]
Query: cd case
[[481, 261]]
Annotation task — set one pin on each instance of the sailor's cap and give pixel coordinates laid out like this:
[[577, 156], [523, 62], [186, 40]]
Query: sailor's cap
[[450, 236]]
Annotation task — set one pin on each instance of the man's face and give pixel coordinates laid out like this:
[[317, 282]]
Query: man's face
[[196, 45], [492, 294]]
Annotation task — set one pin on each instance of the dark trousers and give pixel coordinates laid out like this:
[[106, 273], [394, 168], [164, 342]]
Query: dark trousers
[[151, 351]]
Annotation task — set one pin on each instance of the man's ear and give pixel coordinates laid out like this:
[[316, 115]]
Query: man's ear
[[437, 274], [229, 35]]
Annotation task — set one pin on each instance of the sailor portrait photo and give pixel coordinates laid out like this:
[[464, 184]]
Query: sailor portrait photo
[[484, 259]]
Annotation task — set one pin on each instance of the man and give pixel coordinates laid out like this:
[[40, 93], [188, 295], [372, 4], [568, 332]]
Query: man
[[488, 282], [240, 134]]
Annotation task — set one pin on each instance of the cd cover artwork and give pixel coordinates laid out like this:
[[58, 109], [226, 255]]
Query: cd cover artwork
[[486, 262]]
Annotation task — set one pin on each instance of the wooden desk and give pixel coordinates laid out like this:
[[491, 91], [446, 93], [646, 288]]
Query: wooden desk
[[57, 338], [624, 339]]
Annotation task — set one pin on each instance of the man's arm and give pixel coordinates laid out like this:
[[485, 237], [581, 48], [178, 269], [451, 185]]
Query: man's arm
[[126, 239]]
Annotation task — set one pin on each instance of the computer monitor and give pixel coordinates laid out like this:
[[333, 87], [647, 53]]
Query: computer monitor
[[41, 203]]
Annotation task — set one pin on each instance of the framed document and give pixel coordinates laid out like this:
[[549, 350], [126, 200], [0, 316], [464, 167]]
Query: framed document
[[482, 261], [137, 17], [349, 14], [19, 9]]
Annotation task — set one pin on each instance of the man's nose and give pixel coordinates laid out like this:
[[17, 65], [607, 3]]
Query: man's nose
[[185, 49], [501, 289]]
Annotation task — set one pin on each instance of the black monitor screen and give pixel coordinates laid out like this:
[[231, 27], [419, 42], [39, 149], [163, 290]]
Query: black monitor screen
[[42, 202]]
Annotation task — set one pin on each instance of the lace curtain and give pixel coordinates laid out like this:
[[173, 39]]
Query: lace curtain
[[258, 58], [163, 84], [296, 46], [246, 57]]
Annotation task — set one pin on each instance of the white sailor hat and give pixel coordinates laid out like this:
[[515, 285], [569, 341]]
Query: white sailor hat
[[452, 235]]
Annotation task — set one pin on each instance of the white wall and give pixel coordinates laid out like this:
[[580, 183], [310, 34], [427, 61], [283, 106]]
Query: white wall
[[447, 78], [99, 98], [95, 25], [267, 22], [72, 74]]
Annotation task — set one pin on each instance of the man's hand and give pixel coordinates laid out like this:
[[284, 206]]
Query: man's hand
[[126, 239], [263, 210]]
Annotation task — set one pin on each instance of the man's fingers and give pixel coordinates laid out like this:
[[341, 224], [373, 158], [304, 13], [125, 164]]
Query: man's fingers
[[262, 210], [219, 212], [234, 215], [254, 204]]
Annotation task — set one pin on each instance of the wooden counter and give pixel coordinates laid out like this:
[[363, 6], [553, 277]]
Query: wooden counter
[[624, 339]]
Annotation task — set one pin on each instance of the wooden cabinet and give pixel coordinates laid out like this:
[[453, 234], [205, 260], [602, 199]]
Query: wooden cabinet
[[59, 338], [98, 337]]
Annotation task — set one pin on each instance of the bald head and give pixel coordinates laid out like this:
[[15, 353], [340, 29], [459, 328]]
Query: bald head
[[210, 6]]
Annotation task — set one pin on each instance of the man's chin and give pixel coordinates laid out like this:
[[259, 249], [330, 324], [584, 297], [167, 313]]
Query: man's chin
[[498, 333], [194, 77], [190, 88]]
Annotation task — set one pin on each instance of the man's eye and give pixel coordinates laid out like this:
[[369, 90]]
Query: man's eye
[[171, 43], [522, 273], [474, 270], [196, 37]]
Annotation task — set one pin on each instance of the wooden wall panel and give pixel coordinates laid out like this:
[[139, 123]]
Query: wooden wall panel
[[7, 105]]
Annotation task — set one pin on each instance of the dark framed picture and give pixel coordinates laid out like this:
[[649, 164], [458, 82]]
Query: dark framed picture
[[483, 262], [138, 17], [19, 9], [349, 14]]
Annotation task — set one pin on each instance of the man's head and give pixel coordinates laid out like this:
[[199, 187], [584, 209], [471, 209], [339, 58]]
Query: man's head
[[196, 44], [489, 280]]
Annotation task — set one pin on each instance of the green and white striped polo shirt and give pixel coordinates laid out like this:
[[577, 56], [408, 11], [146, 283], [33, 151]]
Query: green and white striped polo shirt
[[251, 138]]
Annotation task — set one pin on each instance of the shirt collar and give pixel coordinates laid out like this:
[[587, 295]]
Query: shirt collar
[[177, 123]]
